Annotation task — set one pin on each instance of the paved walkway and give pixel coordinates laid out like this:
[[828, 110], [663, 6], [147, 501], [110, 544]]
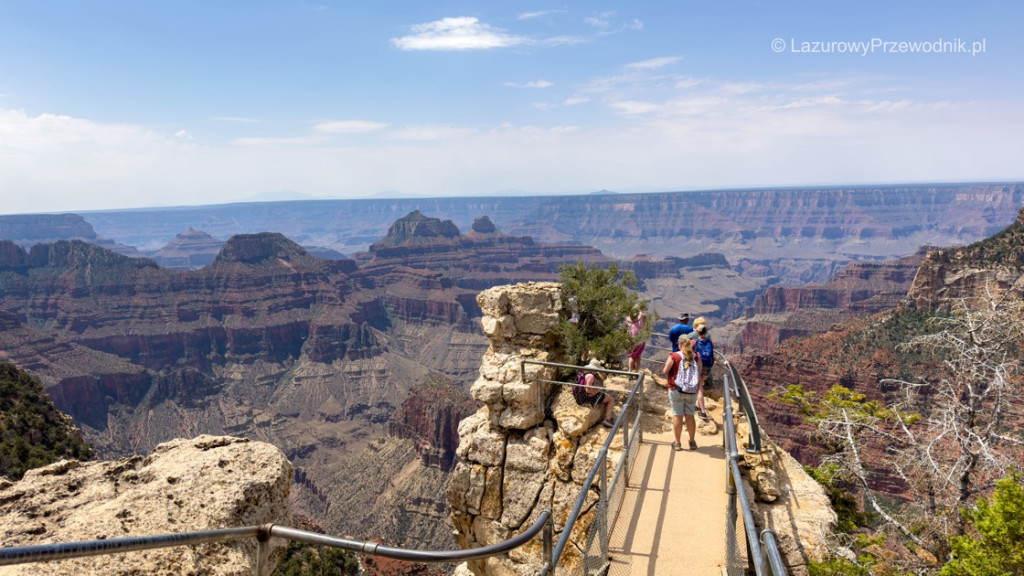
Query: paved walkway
[[672, 519]]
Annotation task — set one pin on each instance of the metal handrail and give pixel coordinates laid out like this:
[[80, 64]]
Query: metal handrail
[[66, 551], [767, 556], [743, 396]]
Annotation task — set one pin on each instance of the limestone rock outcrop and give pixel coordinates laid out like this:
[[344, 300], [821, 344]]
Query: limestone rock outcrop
[[208, 482], [530, 447], [793, 505]]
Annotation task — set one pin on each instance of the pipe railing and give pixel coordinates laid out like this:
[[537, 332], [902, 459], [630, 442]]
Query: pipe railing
[[762, 548], [70, 550]]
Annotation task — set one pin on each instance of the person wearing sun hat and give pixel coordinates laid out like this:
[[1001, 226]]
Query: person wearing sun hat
[[586, 392], [701, 339]]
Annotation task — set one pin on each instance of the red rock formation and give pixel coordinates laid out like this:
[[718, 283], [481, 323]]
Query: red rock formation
[[861, 288], [430, 417]]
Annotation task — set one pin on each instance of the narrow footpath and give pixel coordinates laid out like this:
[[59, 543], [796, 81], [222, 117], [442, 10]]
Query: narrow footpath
[[673, 516]]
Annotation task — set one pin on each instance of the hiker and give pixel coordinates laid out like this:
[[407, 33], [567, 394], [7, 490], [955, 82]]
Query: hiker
[[682, 376], [635, 324], [704, 350], [681, 327], [591, 396]]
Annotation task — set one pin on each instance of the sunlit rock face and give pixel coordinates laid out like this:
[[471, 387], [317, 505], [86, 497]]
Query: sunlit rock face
[[529, 447], [184, 485]]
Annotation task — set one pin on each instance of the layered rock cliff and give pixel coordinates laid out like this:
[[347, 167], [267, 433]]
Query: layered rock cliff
[[185, 485], [862, 353], [987, 267], [859, 289], [825, 223]]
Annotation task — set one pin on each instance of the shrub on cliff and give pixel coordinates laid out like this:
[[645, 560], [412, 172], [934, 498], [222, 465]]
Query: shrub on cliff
[[302, 559], [595, 303], [995, 543], [33, 432]]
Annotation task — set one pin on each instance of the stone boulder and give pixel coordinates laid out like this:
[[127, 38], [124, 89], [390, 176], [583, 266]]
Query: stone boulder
[[530, 446], [208, 482], [793, 505]]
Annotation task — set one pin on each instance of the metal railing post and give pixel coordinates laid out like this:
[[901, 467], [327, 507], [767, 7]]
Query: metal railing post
[[547, 538]]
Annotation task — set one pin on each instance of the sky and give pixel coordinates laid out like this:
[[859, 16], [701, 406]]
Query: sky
[[109, 104]]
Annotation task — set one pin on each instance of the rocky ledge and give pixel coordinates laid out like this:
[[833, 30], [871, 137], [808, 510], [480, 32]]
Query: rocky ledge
[[208, 482]]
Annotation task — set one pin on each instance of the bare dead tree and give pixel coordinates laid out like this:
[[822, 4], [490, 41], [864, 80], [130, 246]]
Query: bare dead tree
[[947, 438]]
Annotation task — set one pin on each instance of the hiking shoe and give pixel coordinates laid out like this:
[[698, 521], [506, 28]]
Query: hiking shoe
[[703, 415], [676, 446], [693, 445]]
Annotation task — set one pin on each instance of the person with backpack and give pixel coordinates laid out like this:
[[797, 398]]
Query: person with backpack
[[682, 375], [586, 394], [704, 349]]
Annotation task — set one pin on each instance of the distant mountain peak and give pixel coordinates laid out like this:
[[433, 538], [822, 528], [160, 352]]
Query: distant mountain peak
[[483, 225], [261, 248], [415, 228]]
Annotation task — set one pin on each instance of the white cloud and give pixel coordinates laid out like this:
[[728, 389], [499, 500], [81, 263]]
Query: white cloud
[[458, 33], [603, 24], [653, 129], [634, 107], [348, 126], [430, 132], [238, 119], [600, 22], [183, 135], [531, 84], [653, 63], [538, 14], [273, 141]]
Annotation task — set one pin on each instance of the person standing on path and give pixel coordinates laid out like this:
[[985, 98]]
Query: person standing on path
[[682, 375], [704, 350], [635, 324], [681, 327]]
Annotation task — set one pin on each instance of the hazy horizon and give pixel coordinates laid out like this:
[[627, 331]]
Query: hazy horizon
[[190, 104]]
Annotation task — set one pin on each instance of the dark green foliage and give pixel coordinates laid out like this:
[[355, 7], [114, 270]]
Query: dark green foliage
[[302, 559], [1004, 250], [997, 546], [602, 298], [891, 332], [33, 432], [849, 515]]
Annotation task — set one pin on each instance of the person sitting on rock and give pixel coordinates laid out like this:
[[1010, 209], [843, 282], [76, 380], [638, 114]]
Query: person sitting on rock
[[585, 391], [701, 338]]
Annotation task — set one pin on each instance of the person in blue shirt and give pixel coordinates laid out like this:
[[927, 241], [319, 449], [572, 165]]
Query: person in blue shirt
[[682, 327]]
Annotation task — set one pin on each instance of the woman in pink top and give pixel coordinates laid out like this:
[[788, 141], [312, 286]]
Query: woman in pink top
[[635, 324]]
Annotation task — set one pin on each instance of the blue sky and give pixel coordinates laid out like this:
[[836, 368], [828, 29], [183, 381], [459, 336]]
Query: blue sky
[[117, 104]]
